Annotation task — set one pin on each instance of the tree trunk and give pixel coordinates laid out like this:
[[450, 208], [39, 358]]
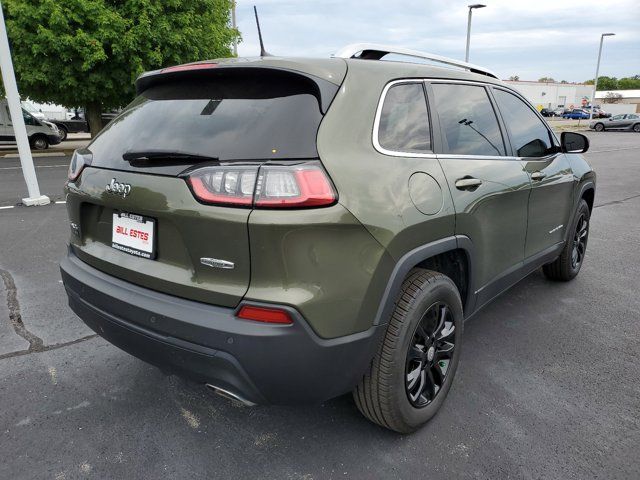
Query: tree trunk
[[93, 116]]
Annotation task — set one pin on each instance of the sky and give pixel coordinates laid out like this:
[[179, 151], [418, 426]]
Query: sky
[[531, 39]]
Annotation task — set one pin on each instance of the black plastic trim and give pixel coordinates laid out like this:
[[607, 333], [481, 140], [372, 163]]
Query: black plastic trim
[[514, 274], [413, 258], [282, 364]]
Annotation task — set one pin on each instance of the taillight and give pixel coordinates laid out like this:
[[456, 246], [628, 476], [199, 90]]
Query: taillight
[[268, 186], [79, 160], [264, 314], [224, 185]]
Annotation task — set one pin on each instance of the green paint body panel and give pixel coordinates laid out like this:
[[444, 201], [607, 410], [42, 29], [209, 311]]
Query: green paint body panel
[[186, 231], [334, 264]]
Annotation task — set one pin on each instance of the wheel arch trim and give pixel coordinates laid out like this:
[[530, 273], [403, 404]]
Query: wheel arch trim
[[419, 254]]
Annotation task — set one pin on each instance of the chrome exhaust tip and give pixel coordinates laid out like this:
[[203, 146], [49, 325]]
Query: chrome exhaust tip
[[230, 395]]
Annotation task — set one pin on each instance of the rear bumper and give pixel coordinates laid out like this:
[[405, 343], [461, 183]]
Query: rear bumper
[[279, 364]]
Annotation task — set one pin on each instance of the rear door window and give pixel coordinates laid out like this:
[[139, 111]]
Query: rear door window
[[468, 123], [404, 119], [528, 134]]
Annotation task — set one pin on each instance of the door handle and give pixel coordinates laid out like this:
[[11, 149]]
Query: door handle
[[537, 176], [468, 183]]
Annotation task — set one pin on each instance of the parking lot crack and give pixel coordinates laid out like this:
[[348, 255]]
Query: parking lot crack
[[15, 318], [616, 202]]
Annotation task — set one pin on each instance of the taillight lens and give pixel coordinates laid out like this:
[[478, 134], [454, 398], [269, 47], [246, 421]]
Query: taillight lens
[[268, 186], [224, 185], [265, 314], [79, 160]]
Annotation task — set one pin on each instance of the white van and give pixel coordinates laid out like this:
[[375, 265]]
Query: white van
[[41, 133]]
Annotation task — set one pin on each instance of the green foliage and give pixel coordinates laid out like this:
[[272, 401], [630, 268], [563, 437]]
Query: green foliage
[[546, 80], [83, 52], [607, 83], [612, 83], [629, 83]]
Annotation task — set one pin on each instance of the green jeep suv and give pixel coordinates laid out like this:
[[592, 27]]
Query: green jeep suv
[[289, 230]]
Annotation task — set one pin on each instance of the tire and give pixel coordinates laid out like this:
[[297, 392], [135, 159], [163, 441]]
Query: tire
[[636, 128], [568, 264], [393, 392], [598, 127], [39, 142], [63, 133]]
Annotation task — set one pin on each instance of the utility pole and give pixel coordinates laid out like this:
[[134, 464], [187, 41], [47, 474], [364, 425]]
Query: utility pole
[[595, 80], [471, 7], [19, 129]]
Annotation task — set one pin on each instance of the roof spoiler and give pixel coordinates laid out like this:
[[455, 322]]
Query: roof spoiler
[[323, 90]]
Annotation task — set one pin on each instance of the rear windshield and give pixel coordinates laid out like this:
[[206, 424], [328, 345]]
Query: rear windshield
[[267, 116]]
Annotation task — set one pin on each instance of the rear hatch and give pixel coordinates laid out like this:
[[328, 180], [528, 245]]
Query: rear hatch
[[134, 207]]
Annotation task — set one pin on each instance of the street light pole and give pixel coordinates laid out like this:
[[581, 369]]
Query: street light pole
[[595, 81], [234, 25], [471, 7], [19, 129]]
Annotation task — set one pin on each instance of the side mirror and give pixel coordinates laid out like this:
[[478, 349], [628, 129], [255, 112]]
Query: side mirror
[[573, 142]]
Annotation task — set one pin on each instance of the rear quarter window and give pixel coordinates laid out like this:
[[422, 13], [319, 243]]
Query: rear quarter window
[[404, 119]]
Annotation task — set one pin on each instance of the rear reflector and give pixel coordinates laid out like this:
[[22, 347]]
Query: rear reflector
[[265, 315], [302, 185]]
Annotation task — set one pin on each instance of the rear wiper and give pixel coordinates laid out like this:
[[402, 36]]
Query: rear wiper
[[165, 156]]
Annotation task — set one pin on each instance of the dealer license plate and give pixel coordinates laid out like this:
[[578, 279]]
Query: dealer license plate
[[134, 234]]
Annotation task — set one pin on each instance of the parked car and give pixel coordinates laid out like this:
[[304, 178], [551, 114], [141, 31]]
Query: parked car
[[630, 121], [41, 133], [599, 113], [35, 112], [546, 112], [265, 240], [558, 112], [78, 124], [576, 114]]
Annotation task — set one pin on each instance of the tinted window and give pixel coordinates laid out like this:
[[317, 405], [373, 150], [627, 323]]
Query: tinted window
[[231, 117], [28, 118], [633, 117], [467, 120], [529, 137], [404, 122]]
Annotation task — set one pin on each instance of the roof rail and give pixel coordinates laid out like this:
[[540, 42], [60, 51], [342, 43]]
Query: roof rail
[[373, 51]]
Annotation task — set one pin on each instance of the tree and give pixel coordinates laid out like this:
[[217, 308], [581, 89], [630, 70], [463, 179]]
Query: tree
[[605, 83], [89, 52], [612, 97], [546, 80], [514, 78], [629, 83]]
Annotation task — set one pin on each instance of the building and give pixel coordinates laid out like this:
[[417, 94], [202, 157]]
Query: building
[[629, 101], [554, 95]]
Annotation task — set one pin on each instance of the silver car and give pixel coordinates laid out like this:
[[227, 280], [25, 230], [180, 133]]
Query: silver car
[[627, 121]]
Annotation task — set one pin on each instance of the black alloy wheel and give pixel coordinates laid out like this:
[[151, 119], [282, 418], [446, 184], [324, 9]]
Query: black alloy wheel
[[430, 353], [580, 241]]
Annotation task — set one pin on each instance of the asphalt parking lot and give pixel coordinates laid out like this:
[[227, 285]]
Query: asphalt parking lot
[[548, 385]]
